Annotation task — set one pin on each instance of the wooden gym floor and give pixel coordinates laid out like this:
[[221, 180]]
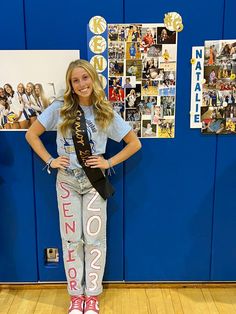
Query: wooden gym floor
[[124, 299]]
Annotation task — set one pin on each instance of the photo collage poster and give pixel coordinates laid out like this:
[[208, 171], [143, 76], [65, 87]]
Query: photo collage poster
[[30, 81], [218, 110], [142, 77]]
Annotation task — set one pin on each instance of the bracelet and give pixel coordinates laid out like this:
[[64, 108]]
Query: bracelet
[[48, 165], [110, 168]]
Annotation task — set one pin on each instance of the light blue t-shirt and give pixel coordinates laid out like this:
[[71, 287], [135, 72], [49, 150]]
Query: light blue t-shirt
[[50, 119]]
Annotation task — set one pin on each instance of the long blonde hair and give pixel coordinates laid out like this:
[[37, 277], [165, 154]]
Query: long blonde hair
[[44, 99], [102, 108]]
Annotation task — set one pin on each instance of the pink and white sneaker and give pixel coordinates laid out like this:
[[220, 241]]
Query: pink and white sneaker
[[91, 305], [76, 305]]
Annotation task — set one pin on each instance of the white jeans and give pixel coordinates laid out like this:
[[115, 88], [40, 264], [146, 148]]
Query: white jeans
[[83, 218]]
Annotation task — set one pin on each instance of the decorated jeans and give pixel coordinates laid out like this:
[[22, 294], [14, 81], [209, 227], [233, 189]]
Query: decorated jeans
[[82, 214]]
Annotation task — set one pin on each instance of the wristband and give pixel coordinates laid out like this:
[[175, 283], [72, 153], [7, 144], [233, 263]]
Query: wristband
[[110, 167], [48, 165]]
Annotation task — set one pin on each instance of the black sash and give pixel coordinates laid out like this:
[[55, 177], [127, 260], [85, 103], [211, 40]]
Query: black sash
[[83, 150]]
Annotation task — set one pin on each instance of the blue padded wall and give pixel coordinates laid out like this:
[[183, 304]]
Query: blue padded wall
[[63, 24], [18, 258], [114, 270], [13, 35], [224, 231], [169, 185]]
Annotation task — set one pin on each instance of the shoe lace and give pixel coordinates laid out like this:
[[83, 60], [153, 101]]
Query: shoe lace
[[91, 302], [77, 302]]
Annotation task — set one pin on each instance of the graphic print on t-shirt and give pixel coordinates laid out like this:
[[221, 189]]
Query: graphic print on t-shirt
[[91, 128], [68, 141]]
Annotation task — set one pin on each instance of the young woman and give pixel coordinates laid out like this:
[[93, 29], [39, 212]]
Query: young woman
[[131, 98], [4, 110], [166, 55], [132, 51], [147, 40], [40, 97], [30, 103], [23, 100], [148, 131], [211, 56], [130, 32], [116, 94], [36, 101], [164, 38], [84, 117], [15, 117]]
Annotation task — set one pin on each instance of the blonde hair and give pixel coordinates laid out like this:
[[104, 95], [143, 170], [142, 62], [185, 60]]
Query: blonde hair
[[44, 99], [102, 108]]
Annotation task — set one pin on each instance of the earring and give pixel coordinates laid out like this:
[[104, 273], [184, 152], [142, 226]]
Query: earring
[[73, 91]]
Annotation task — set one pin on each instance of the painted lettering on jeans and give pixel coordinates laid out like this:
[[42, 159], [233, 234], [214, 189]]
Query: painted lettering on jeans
[[72, 275], [72, 271], [92, 275], [70, 258], [93, 281], [93, 263], [70, 227], [91, 219], [92, 201], [64, 189], [66, 210], [72, 284]]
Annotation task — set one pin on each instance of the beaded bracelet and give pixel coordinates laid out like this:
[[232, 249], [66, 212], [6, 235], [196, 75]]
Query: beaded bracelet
[[48, 165], [110, 168]]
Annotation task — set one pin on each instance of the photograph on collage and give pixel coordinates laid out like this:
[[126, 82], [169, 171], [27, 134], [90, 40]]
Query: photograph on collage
[[116, 91], [148, 129], [219, 88], [30, 81], [133, 96], [142, 76], [166, 128]]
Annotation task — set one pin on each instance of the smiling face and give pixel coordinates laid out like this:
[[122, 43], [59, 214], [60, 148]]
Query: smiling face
[[20, 88], [29, 88], [37, 90], [164, 33], [82, 85], [8, 89]]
